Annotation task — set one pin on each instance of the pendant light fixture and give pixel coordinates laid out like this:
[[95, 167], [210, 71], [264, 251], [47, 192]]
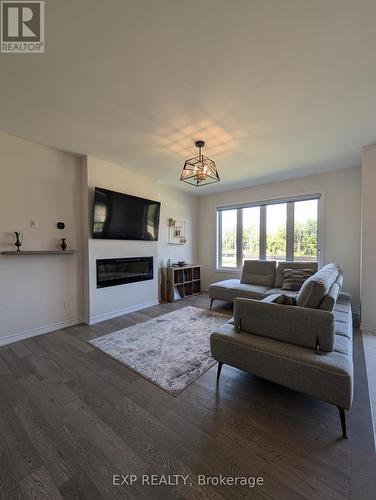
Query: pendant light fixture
[[200, 170]]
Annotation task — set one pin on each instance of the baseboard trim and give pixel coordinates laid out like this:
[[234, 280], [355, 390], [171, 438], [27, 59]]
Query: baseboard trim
[[10, 339], [368, 328], [120, 312]]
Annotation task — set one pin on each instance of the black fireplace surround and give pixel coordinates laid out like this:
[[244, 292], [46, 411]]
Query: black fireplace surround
[[112, 272]]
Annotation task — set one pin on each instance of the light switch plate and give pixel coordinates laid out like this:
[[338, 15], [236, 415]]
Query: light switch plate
[[34, 223]]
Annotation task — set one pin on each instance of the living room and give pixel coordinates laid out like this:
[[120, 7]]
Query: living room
[[187, 249]]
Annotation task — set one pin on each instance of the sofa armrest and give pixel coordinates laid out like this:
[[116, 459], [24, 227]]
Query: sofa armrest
[[304, 327]]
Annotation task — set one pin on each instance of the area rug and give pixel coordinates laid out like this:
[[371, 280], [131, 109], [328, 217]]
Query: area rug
[[171, 351]]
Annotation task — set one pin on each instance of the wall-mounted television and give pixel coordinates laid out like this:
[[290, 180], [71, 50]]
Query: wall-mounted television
[[118, 216]]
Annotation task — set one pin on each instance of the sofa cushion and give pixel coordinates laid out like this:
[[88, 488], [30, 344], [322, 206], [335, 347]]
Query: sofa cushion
[[259, 272], [317, 286], [249, 291], [297, 325], [293, 279], [340, 279], [341, 317], [228, 290], [330, 300], [342, 344], [221, 290], [339, 307], [291, 265], [343, 329]]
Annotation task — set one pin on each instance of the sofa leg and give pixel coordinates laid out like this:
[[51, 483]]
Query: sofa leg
[[211, 303], [342, 416], [219, 370]]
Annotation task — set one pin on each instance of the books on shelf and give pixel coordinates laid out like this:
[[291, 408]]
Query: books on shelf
[[177, 294]]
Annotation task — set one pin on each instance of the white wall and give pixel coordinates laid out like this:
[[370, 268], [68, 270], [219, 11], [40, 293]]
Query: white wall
[[109, 302], [368, 267], [341, 220], [38, 293]]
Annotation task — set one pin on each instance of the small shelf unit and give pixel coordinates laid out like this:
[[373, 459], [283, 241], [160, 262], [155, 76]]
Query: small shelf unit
[[181, 282]]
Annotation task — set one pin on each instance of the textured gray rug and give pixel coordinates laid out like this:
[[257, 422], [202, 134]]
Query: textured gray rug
[[171, 350]]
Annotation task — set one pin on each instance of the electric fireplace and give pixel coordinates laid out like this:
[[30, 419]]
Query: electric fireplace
[[112, 272]]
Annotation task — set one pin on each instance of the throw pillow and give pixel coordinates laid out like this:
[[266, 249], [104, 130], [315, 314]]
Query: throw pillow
[[293, 279], [287, 300]]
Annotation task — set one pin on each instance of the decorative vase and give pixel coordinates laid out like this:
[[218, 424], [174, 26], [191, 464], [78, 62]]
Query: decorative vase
[[63, 244], [19, 239]]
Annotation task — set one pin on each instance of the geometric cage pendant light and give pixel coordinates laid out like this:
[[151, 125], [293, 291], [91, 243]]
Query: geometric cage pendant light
[[200, 170]]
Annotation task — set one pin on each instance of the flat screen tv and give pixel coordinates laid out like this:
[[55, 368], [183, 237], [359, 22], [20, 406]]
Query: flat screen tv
[[119, 216]]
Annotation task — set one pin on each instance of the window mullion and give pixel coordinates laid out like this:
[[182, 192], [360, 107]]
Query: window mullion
[[239, 239], [219, 246], [263, 232], [290, 231]]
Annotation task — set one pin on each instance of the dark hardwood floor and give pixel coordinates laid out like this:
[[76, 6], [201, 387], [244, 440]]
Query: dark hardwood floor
[[72, 417]]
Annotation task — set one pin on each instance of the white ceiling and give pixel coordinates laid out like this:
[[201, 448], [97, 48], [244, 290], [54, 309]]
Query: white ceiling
[[277, 89]]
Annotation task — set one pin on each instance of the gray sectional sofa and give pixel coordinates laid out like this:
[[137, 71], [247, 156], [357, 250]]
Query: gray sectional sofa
[[306, 347], [259, 279]]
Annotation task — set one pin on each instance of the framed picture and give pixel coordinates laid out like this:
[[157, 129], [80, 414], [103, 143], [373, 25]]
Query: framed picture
[[177, 231]]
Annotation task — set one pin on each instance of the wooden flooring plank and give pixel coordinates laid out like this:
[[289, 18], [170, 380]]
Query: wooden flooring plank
[[93, 461], [19, 367], [75, 342], [57, 457], [118, 453], [12, 390], [80, 487], [46, 366], [39, 486], [20, 349], [22, 454], [105, 362], [9, 483], [52, 409]]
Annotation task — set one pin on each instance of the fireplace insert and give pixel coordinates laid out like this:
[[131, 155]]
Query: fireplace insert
[[112, 272]]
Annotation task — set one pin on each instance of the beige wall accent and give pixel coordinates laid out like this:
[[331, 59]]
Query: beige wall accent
[[368, 245], [340, 221]]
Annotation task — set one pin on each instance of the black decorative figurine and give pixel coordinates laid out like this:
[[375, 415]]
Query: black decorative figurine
[[63, 244], [19, 239]]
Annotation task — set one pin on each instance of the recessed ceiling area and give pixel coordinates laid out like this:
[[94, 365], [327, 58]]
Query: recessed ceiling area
[[275, 89]]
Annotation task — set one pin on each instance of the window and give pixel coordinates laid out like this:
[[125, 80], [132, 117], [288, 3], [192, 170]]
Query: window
[[305, 230], [251, 233], [229, 246], [274, 230]]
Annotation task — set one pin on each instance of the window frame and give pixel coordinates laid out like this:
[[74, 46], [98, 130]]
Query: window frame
[[263, 230]]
